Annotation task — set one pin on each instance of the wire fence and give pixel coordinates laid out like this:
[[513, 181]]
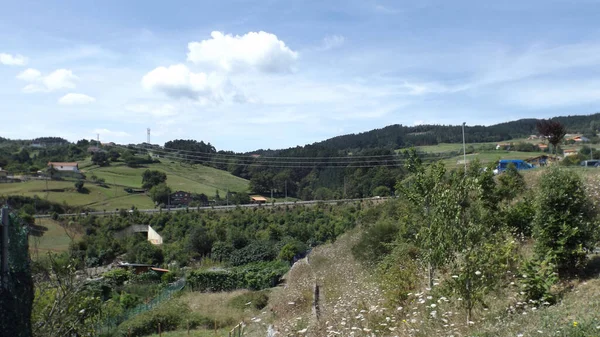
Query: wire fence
[[110, 324]]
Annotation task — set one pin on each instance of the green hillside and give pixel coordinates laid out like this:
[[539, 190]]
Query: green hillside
[[118, 176]]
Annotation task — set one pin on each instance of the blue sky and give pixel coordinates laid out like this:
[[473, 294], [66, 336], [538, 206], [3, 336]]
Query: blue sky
[[249, 74]]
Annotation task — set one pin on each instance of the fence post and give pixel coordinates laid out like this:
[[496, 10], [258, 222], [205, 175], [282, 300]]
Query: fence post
[[4, 262], [159, 332]]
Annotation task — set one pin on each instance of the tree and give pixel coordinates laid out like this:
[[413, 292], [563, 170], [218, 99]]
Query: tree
[[426, 190], [51, 171], [381, 191], [114, 155], [562, 223], [151, 178], [160, 193], [100, 158], [79, 186], [553, 130]]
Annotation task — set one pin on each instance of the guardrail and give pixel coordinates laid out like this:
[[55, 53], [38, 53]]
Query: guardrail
[[181, 209]]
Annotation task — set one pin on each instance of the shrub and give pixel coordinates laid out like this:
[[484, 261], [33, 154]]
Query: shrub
[[510, 183], [519, 217], [374, 242], [254, 299], [562, 223], [171, 315], [398, 273], [536, 281], [254, 276], [118, 276]]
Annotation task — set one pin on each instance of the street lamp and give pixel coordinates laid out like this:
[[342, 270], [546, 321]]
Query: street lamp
[[464, 147]]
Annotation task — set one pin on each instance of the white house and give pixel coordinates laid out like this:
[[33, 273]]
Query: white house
[[65, 167]]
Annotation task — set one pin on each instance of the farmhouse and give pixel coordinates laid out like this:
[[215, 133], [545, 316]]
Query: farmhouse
[[570, 152], [64, 166], [180, 198]]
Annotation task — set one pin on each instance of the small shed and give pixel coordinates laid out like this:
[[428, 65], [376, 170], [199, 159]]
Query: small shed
[[258, 199], [140, 268]]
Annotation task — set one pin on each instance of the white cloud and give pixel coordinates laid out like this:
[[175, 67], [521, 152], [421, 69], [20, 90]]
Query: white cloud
[[260, 51], [74, 98], [163, 110], [30, 75], [13, 60], [548, 94], [56, 80], [333, 41], [179, 81]]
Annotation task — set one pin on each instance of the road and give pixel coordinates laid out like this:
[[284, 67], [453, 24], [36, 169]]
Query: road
[[224, 208]]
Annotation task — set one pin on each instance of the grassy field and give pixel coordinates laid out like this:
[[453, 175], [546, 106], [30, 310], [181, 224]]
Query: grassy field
[[53, 239], [190, 178], [186, 177]]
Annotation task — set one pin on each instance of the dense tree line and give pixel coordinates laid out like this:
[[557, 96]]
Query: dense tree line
[[235, 238]]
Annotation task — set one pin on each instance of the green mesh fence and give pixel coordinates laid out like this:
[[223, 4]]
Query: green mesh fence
[[16, 287], [110, 324]]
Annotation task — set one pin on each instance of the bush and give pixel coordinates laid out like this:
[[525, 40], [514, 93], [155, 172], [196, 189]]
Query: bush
[[398, 273], [255, 299], [254, 252], [536, 281], [171, 315], [519, 217], [254, 276], [562, 223], [375, 242], [117, 276]]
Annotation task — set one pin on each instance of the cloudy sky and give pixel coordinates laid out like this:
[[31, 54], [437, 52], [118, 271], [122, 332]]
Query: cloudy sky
[[249, 74]]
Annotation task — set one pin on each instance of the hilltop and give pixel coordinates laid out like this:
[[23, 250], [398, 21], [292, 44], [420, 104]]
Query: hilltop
[[119, 177]]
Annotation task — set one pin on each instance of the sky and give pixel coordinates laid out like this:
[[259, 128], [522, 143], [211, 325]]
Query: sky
[[246, 75]]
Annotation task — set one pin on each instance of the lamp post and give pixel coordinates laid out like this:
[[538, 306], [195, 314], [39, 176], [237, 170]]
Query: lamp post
[[464, 147]]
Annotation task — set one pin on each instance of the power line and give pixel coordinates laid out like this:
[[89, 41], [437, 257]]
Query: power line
[[253, 157], [256, 162]]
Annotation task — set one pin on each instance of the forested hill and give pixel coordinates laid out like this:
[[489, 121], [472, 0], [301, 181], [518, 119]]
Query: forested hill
[[399, 136]]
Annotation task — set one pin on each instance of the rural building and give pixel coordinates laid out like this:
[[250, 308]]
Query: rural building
[[3, 173], [542, 160], [581, 139], [257, 199], [180, 198], [108, 144], [503, 146], [140, 268], [570, 152], [64, 166], [543, 146], [151, 234]]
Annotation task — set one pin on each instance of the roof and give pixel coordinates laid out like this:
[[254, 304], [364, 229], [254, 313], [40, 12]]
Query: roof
[[570, 151], [127, 264], [58, 163], [160, 270], [258, 198]]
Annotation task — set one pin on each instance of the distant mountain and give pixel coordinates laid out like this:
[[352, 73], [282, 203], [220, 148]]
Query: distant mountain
[[401, 136]]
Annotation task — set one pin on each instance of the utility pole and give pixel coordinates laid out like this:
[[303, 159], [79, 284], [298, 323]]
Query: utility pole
[[344, 186], [286, 189], [148, 136], [464, 147], [4, 263], [227, 197]]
